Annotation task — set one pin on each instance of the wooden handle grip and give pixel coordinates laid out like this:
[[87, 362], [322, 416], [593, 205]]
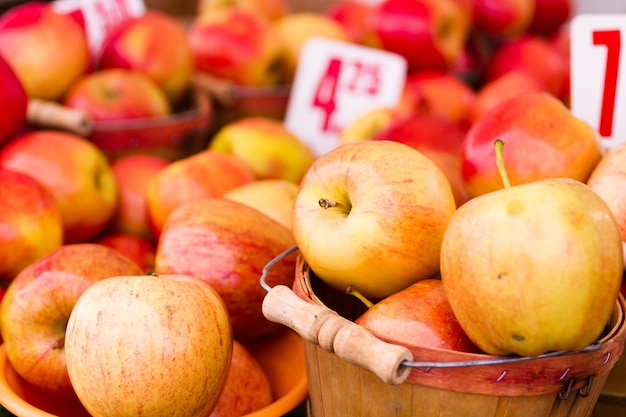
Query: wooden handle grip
[[54, 115], [349, 341]]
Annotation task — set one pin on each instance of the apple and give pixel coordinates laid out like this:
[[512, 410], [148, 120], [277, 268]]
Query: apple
[[149, 345], [155, 44], [429, 34], [47, 50], [533, 268], [117, 94], [550, 16], [30, 222], [75, 171], [132, 174], [274, 198], [352, 15], [247, 387], [437, 138], [269, 9], [266, 145], [38, 303], [13, 102], [366, 125], [227, 244], [237, 45], [141, 251], [535, 56], [537, 147], [419, 315], [296, 28], [371, 215], [503, 19], [207, 173]]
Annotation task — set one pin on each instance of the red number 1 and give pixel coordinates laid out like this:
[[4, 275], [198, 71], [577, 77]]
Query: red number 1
[[325, 92], [610, 39]]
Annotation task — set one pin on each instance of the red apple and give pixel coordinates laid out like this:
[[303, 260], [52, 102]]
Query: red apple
[[227, 244], [30, 222], [543, 140], [437, 138], [429, 34], [137, 249], [503, 19], [47, 50], [156, 44], [117, 94], [132, 174], [247, 387], [419, 315], [237, 45], [38, 304], [13, 102], [352, 15], [75, 171], [205, 174], [550, 16]]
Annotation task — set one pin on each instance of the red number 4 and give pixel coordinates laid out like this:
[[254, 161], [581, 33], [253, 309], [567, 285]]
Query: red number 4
[[610, 39]]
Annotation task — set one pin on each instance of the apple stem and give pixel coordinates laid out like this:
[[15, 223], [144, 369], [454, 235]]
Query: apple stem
[[325, 203], [498, 145], [352, 291]]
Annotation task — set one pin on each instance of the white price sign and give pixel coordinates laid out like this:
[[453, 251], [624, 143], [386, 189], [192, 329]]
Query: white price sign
[[99, 17], [598, 72], [336, 82]]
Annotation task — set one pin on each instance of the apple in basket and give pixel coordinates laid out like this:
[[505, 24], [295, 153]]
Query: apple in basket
[[503, 19], [38, 303], [371, 215], [533, 268], [149, 345]]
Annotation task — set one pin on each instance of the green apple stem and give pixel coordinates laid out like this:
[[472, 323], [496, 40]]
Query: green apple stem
[[352, 291], [498, 145], [325, 203]]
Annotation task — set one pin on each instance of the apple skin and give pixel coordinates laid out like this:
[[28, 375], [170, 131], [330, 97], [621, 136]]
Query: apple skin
[[132, 174], [38, 303], [155, 44], [269, 9], [419, 315], [533, 268], [274, 198], [526, 123], [437, 138], [75, 171], [503, 19], [247, 387], [265, 144], [137, 249], [207, 173], [117, 94], [13, 102], [30, 222], [550, 16], [227, 244], [384, 233], [352, 15], [429, 34], [149, 345], [236, 45], [46, 69]]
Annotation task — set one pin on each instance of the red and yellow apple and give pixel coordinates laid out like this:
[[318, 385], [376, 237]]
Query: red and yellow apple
[[352, 15], [38, 303], [13, 102], [149, 345], [269, 9], [503, 19], [155, 44], [47, 50], [76, 173], [227, 244], [30, 222], [371, 215]]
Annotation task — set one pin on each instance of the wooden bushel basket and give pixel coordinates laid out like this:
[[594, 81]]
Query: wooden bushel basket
[[352, 373]]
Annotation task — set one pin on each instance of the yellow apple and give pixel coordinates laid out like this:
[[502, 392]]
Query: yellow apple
[[372, 215], [274, 198], [265, 144], [149, 345]]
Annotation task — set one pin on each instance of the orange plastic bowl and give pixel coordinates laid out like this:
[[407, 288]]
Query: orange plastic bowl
[[281, 355]]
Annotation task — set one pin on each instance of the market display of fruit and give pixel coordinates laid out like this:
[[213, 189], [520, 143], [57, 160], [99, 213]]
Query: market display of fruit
[[478, 215]]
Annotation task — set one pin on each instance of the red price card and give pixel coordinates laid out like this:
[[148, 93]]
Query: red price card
[[598, 72], [336, 82], [99, 17]]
